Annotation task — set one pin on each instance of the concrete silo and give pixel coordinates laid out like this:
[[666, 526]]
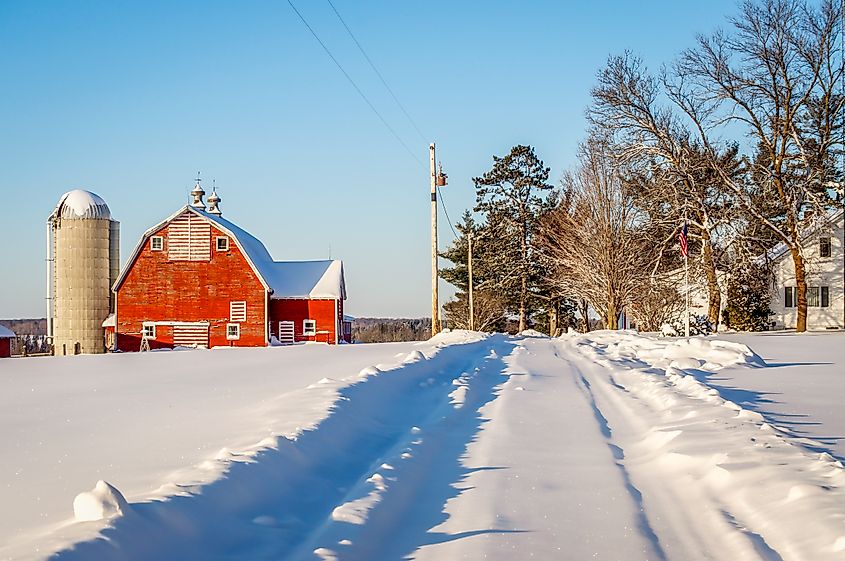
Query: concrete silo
[[84, 258]]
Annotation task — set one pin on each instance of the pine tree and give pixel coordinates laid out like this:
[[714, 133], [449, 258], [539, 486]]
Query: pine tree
[[748, 298], [511, 195]]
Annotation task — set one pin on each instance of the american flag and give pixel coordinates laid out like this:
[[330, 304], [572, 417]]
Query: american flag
[[682, 238]]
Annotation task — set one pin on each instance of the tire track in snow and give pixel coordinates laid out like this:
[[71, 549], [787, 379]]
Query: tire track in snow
[[718, 482], [269, 504], [619, 455], [390, 512]]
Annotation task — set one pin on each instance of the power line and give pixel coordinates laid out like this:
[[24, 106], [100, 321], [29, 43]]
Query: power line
[[354, 85], [448, 220], [373, 66]]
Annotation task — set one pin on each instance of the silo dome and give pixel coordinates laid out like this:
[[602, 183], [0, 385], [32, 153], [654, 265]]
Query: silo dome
[[80, 204]]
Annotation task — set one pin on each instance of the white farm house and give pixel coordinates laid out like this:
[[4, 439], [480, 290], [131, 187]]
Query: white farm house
[[823, 251]]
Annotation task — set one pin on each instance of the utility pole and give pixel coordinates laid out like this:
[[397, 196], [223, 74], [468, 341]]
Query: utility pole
[[435, 314], [469, 268]]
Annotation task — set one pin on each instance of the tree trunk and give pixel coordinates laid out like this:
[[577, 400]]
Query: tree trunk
[[611, 321], [584, 310], [714, 296], [553, 318], [522, 292], [801, 289]]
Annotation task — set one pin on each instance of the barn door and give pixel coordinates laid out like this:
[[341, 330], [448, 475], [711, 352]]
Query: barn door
[[190, 335], [286, 332]]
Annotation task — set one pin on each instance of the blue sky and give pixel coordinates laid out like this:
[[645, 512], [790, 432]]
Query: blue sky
[[131, 99]]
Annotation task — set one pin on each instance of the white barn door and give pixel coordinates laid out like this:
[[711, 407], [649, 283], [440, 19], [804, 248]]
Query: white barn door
[[286, 332], [190, 334]]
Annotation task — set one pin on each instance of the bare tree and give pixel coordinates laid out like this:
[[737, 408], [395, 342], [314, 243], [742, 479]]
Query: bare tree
[[777, 75], [676, 181], [590, 240], [657, 303], [488, 311]]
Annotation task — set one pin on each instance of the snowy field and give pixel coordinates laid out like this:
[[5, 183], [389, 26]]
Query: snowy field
[[608, 446]]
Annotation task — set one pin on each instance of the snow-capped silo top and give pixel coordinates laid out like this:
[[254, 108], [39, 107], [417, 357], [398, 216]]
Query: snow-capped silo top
[[80, 204]]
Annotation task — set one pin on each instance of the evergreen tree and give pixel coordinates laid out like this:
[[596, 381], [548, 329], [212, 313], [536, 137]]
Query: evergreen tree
[[511, 195], [748, 298]]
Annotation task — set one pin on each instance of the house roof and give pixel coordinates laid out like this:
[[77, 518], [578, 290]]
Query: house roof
[[283, 279], [782, 249], [6, 333]]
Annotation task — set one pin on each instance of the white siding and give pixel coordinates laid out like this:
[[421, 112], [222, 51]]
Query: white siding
[[821, 271], [189, 239]]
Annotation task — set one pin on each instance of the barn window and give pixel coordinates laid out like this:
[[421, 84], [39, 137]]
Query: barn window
[[156, 243], [189, 238], [825, 296], [149, 331], [237, 311], [233, 331], [309, 327], [824, 247], [222, 244]]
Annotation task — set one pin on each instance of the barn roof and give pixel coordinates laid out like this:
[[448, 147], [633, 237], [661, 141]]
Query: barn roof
[[6, 333], [284, 279]]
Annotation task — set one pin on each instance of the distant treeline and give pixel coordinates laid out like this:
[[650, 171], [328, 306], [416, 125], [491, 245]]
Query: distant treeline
[[364, 330], [386, 330]]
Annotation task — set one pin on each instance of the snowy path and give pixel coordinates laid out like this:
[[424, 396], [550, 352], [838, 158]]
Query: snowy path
[[605, 446]]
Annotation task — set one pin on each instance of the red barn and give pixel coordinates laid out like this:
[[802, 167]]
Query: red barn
[[6, 336], [196, 279]]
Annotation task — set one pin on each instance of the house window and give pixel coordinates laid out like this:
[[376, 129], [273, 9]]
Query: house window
[[237, 311], [825, 292], [233, 331], [824, 247], [309, 327], [149, 331], [222, 244], [156, 243], [813, 296], [789, 297]]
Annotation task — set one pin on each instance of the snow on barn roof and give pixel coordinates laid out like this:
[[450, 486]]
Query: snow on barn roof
[[284, 279], [80, 204], [6, 333]]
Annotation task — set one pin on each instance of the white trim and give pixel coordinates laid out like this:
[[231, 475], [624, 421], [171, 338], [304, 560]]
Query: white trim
[[309, 333], [237, 310], [144, 330], [217, 240], [337, 324], [237, 327], [160, 240], [172, 323]]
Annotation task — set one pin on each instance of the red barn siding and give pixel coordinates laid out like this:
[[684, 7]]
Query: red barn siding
[[323, 311], [156, 289], [5, 347]]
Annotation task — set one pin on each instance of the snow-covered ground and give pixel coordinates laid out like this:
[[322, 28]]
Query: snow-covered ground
[[609, 445]]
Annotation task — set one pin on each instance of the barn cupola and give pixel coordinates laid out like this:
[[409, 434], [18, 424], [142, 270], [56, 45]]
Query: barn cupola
[[198, 194], [214, 202]]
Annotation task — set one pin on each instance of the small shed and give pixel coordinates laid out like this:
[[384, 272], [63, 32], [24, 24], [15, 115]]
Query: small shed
[[6, 336]]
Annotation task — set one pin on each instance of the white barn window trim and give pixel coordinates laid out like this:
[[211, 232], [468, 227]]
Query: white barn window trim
[[309, 327], [221, 243], [148, 331], [233, 331], [157, 243], [237, 311]]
